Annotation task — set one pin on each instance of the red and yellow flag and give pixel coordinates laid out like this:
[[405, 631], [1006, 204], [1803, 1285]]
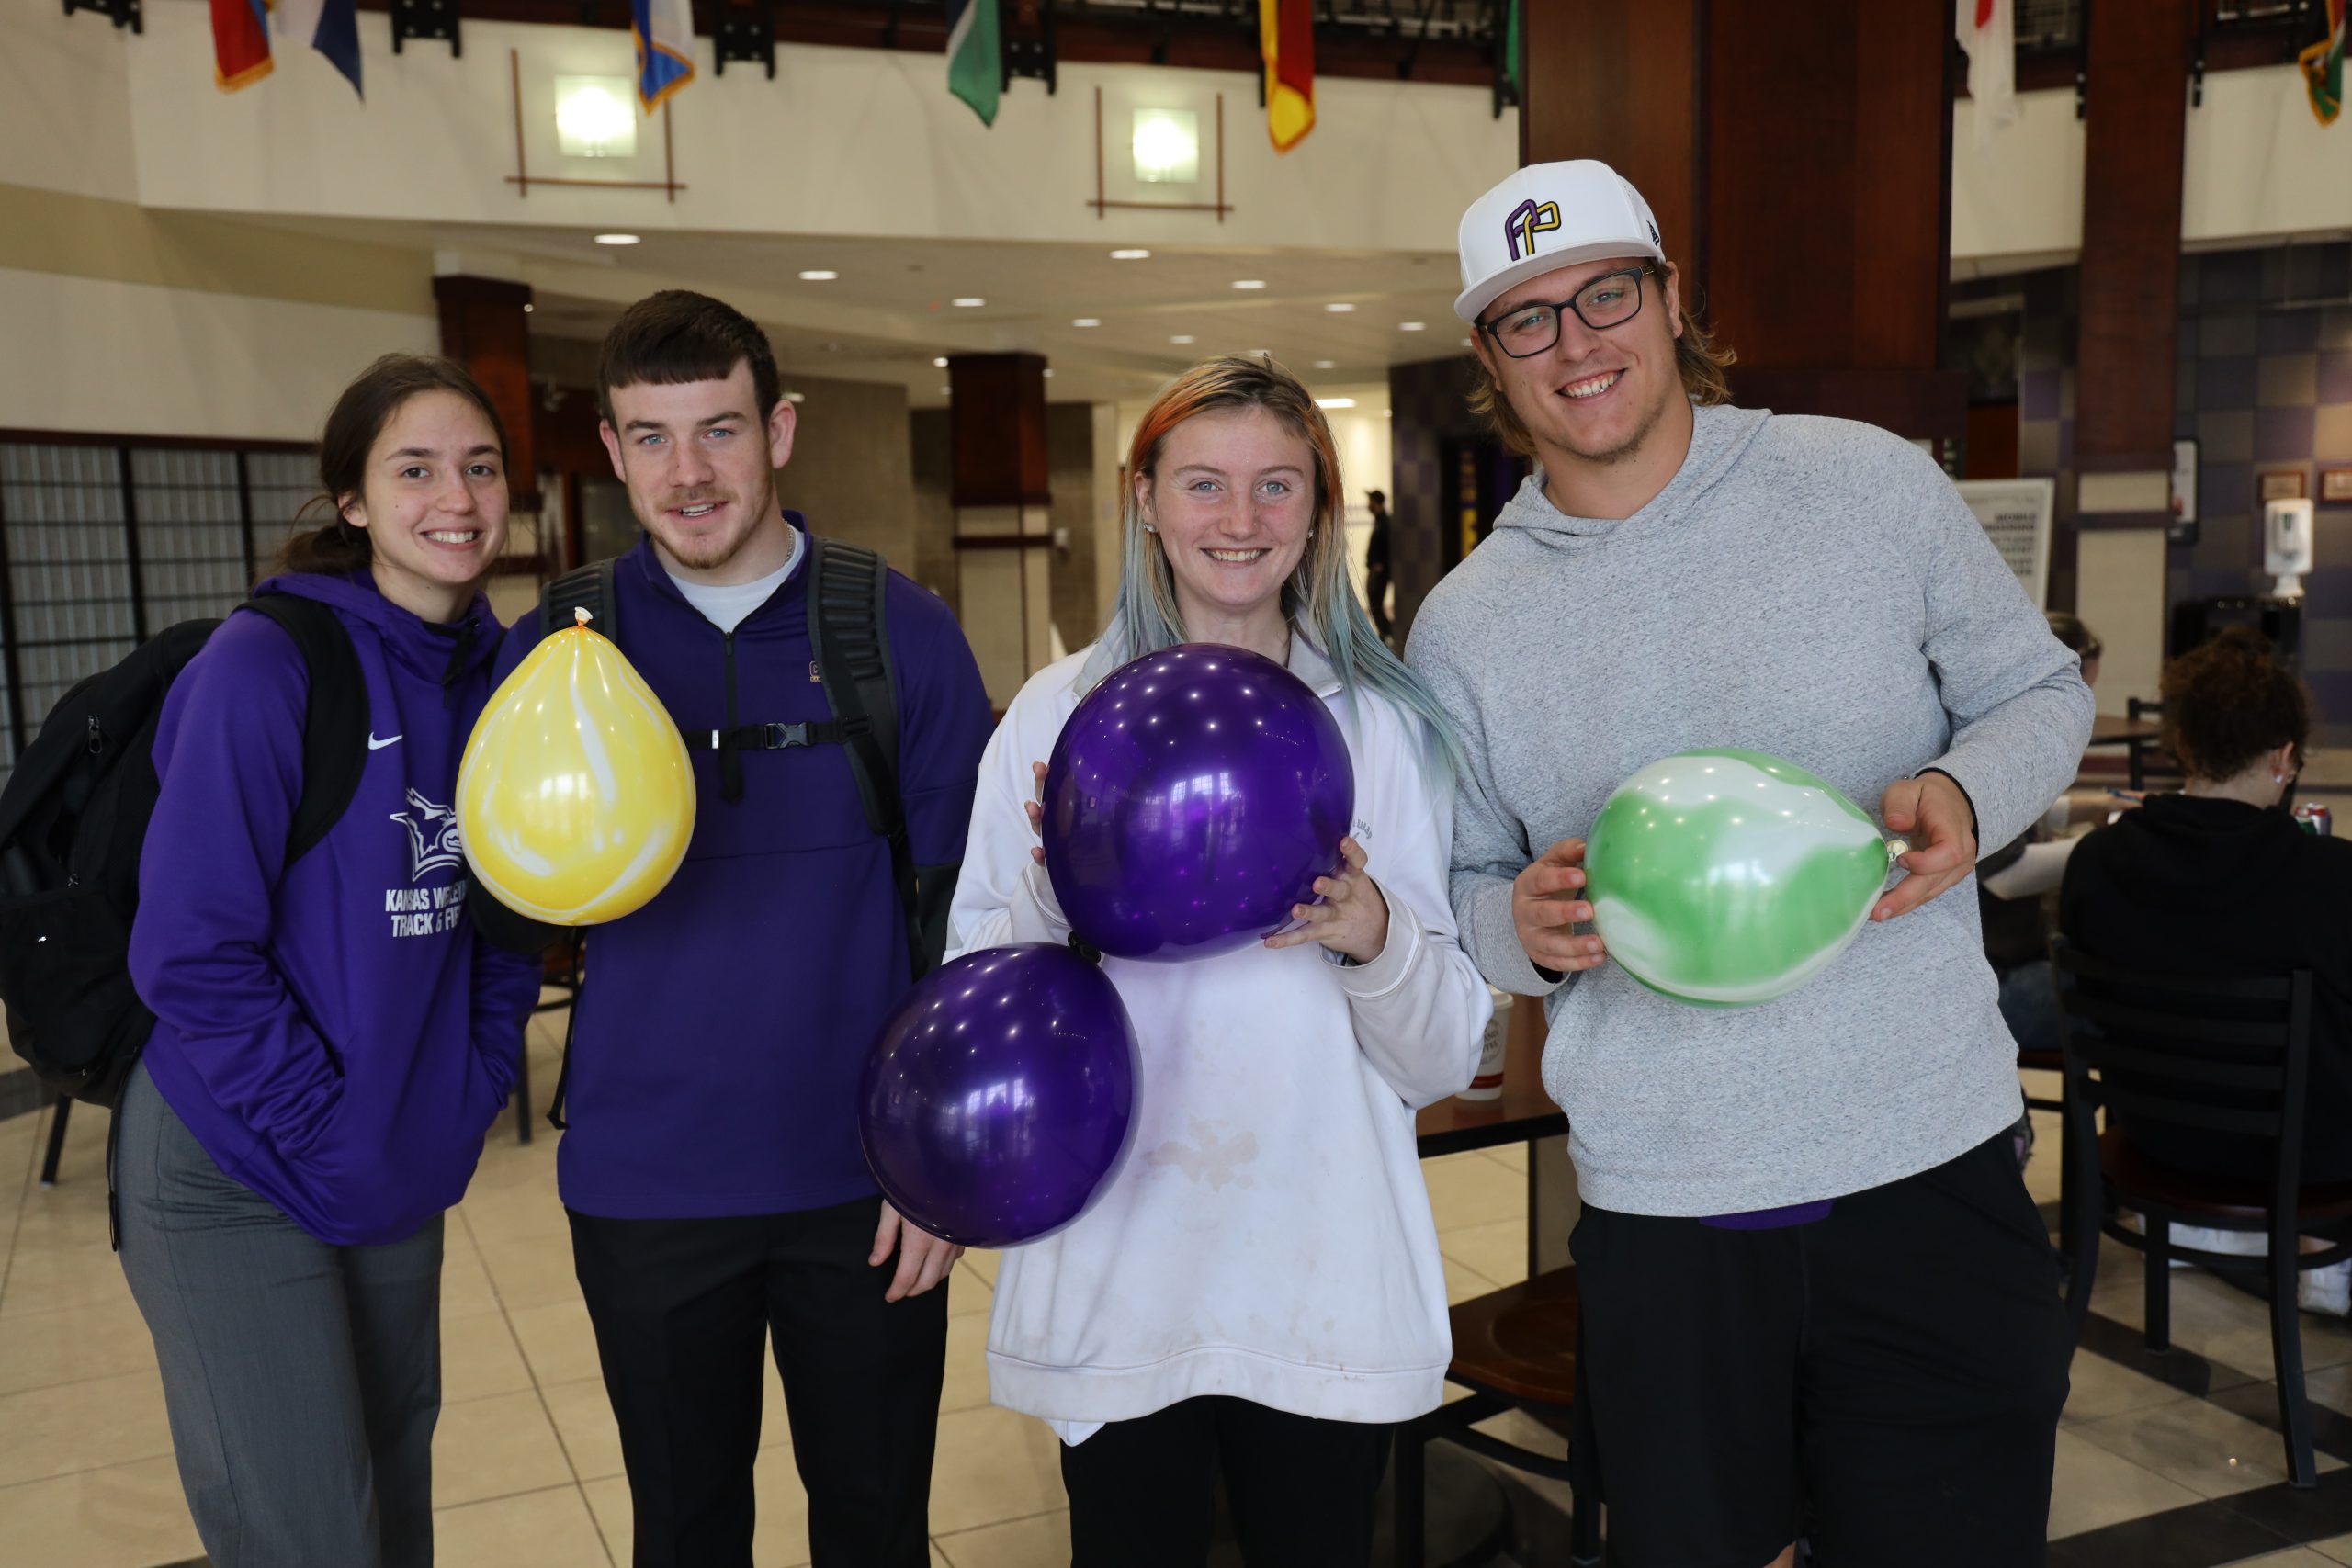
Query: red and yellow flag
[[240, 43], [1286, 38]]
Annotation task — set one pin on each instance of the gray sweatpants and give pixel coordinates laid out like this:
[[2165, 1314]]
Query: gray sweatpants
[[302, 1380]]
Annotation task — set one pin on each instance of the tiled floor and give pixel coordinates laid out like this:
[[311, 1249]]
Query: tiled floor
[[2169, 1462]]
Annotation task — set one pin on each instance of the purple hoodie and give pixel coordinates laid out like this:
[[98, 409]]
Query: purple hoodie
[[333, 1032]]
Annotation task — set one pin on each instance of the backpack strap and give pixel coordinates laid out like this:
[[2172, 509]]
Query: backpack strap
[[849, 636], [588, 588], [336, 721]]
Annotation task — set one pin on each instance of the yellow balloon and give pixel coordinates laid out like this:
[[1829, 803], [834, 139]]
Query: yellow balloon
[[575, 800]]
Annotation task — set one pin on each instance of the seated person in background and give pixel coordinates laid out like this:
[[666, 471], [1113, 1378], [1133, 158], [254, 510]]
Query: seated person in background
[[2010, 883], [2219, 881]]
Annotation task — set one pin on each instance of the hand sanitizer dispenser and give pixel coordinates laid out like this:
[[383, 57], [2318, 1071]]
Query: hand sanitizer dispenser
[[2287, 544]]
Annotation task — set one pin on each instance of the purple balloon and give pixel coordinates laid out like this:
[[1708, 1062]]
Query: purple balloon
[[999, 1098], [1193, 799]]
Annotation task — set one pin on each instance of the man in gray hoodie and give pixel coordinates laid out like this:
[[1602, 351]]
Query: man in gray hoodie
[[1817, 1297]]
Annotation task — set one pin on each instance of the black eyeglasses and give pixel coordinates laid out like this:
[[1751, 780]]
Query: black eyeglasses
[[1610, 300]]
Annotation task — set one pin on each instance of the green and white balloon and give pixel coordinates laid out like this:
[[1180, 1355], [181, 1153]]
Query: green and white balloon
[[1727, 878]]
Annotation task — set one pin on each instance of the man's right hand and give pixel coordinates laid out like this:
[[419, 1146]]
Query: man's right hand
[[1547, 901]]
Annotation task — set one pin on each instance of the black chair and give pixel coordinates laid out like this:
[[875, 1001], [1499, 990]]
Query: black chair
[[1514, 1349], [2142, 757], [56, 1141], [2218, 1057]]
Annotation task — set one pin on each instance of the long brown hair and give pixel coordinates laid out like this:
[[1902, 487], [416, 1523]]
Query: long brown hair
[[358, 418], [1698, 359]]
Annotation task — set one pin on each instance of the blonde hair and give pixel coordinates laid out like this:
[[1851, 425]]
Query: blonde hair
[[1319, 594]]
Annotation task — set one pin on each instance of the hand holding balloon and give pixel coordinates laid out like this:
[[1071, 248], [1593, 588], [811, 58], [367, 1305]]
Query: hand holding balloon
[[1546, 901], [1932, 808], [1352, 920], [1038, 812]]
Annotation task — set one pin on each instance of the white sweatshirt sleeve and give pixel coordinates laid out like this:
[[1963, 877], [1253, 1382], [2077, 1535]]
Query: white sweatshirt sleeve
[[1003, 896], [1420, 1006]]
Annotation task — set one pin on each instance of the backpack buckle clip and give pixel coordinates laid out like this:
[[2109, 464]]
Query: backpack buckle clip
[[781, 736]]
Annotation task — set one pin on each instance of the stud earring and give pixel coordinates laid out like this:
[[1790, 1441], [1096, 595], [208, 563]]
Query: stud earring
[[1149, 528]]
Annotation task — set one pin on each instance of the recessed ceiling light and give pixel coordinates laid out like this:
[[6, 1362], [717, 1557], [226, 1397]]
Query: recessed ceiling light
[[528, 307], [819, 275], [1087, 322], [969, 302], [1338, 307], [1181, 337], [1249, 283], [1465, 343], [1412, 326], [1335, 403], [616, 239], [1323, 365], [1129, 256], [940, 363], [1049, 370], [795, 397]]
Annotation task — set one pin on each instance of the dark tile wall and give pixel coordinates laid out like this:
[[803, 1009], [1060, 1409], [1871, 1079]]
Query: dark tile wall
[[2263, 361], [1427, 406]]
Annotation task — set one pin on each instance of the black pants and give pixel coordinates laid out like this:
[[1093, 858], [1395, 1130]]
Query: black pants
[[1142, 1492], [681, 1308], [1892, 1373]]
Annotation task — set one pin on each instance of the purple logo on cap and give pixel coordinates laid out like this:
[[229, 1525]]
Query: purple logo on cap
[[1526, 221]]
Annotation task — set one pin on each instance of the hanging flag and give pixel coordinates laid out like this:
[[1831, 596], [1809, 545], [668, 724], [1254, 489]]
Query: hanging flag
[[331, 27], [975, 55], [1511, 72], [1988, 30], [1286, 38], [664, 31], [2322, 66], [240, 43]]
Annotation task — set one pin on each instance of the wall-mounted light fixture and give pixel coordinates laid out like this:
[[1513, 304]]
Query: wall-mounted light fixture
[[596, 116], [1167, 146]]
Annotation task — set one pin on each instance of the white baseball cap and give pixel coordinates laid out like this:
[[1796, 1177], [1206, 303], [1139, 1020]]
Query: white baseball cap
[[1545, 217]]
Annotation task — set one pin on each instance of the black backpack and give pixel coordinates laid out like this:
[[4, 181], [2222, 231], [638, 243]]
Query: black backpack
[[846, 585], [74, 818]]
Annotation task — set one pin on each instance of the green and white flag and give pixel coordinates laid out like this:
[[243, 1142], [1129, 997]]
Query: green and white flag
[[2322, 65], [975, 55]]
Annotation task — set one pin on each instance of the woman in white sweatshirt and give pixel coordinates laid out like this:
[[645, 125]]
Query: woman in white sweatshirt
[[1258, 1292]]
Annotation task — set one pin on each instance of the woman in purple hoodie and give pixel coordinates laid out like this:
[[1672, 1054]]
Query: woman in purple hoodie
[[331, 1039]]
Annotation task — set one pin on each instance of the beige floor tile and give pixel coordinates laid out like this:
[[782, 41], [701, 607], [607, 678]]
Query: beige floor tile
[[2220, 1322], [124, 1516], [464, 1284], [1471, 1190], [42, 1348], [496, 1448], [2201, 1446], [2335, 1549], [2098, 1388], [583, 1422], [2294, 1557], [939, 1558], [558, 1340], [608, 1501], [779, 1538], [83, 1426], [71, 1215], [1510, 1157], [1461, 1282], [993, 1465], [532, 1271], [970, 1291], [499, 1214], [549, 1528], [2331, 1386], [966, 1383], [479, 1358], [982, 1263], [1497, 1251], [51, 1279], [2092, 1488], [1039, 1543]]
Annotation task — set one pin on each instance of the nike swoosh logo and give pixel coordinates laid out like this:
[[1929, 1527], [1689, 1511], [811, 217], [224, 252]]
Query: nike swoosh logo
[[376, 745]]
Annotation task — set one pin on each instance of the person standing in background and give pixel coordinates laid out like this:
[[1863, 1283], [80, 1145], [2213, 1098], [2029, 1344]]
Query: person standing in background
[[1376, 564]]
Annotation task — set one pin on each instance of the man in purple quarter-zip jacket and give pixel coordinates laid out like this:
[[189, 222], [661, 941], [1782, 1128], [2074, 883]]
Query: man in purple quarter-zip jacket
[[710, 1164]]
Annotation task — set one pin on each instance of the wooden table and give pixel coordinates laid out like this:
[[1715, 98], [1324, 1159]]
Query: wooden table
[[1524, 1114], [2114, 729]]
